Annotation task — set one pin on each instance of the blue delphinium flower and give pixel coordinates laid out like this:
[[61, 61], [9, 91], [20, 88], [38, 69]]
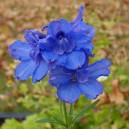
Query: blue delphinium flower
[[71, 84], [66, 44], [32, 62]]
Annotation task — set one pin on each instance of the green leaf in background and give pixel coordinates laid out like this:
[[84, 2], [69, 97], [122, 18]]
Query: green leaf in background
[[82, 112], [50, 121]]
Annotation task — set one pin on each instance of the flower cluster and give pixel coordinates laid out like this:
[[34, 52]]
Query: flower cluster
[[63, 53]]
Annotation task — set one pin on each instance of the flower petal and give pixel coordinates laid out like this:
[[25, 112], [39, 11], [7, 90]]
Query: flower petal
[[40, 72], [49, 56], [81, 40], [24, 70], [59, 25], [99, 68], [59, 77], [68, 93], [85, 28], [20, 50], [75, 60], [32, 36], [79, 18], [91, 89], [99, 65]]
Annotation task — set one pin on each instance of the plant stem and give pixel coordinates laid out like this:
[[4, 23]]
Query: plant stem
[[71, 109], [61, 108], [65, 114]]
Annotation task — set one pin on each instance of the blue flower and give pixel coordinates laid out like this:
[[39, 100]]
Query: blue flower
[[32, 62], [71, 84], [65, 44]]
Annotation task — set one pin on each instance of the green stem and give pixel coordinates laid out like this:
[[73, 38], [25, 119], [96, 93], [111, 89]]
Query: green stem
[[65, 114], [61, 109], [71, 109]]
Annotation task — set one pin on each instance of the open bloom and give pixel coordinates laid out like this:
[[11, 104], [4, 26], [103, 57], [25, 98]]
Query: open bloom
[[71, 84], [32, 62], [68, 43]]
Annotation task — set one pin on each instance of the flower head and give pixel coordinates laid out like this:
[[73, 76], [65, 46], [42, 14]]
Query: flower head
[[68, 43], [71, 84], [32, 62]]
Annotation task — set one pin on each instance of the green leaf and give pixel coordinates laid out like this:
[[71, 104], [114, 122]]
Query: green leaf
[[45, 120], [50, 121], [59, 120], [82, 112]]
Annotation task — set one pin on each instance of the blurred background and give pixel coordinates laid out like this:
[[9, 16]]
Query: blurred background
[[18, 99]]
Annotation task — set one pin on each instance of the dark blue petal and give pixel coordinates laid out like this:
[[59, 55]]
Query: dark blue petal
[[33, 36], [81, 75], [46, 43], [91, 89], [63, 45], [60, 25], [20, 50], [68, 93], [24, 70], [40, 72], [75, 60], [44, 28], [58, 77], [79, 18]]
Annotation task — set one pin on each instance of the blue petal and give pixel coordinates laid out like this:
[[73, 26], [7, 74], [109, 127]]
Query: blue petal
[[33, 36], [75, 60], [46, 43], [81, 75], [24, 70], [40, 72], [97, 73], [79, 18], [63, 45], [68, 93], [99, 68], [49, 56], [44, 28], [104, 63], [91, 89], [59, 77], [20, 50], [60, 25], [84, 28], [81, 40]]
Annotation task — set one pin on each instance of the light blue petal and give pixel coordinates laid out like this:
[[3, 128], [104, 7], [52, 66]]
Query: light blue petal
[[91, 89], [40, 72], [68, 93], [20, 50], [75, 60], [24, 70]]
